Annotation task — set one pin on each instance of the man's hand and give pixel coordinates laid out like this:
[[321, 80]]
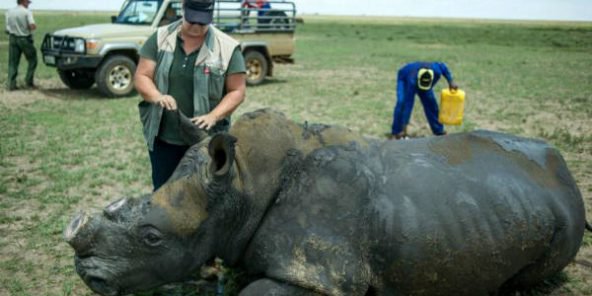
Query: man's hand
[[205, 121], [452, 86], [167, 102]]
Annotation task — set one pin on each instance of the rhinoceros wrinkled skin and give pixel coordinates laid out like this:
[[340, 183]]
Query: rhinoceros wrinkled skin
[[317, 210]]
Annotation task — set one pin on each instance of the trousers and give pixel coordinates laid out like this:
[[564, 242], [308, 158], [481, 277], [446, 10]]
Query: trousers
[[164, 159], [403, 108], [18, 46]]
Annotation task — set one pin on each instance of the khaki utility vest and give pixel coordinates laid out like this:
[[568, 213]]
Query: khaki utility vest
[[209, 77]]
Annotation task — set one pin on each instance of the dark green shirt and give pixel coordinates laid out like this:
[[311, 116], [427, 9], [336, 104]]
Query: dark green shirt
[[181, 83]]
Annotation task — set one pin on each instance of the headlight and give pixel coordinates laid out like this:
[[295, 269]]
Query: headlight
[[79, 45], [92, 44]]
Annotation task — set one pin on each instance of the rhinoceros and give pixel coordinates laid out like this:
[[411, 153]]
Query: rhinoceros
[[319, 210]]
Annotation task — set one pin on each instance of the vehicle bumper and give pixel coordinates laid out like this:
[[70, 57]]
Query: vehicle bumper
[[69, 61], [62, 56]]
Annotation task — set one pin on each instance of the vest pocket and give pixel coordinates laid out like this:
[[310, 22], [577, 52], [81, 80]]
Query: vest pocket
[[150, 117], [146, 112], [216, 86]]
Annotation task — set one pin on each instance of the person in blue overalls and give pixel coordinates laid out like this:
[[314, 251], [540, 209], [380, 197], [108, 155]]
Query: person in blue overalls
[[419, 78]]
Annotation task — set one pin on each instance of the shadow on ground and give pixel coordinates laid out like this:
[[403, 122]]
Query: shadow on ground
[[270, 81], [92, 93]]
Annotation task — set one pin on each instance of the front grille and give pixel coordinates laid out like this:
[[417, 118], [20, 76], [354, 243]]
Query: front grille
[[61, 43]]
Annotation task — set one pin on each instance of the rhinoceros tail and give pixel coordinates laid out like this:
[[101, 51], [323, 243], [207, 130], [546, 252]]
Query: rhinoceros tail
[[588, 226]]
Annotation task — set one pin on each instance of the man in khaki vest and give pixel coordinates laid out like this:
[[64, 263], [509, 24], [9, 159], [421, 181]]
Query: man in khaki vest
[[188, 68], [20, 26]]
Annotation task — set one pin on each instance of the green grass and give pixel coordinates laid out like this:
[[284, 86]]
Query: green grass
[[62, 151]]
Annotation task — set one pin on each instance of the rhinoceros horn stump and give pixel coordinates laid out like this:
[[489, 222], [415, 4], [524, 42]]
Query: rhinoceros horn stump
[[320, 210]]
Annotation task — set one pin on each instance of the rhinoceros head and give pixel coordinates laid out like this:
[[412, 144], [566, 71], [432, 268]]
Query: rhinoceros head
[[137, 244]]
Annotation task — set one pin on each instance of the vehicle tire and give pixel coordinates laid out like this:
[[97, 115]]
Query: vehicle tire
[[115, 76], [257, 67], [76, 79]]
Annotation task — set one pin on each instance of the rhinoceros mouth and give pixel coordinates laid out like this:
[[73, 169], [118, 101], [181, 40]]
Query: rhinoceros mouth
[[101, 286], [93, 278]]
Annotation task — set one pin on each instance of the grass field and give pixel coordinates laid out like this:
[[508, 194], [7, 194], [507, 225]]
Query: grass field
[[63, 150]]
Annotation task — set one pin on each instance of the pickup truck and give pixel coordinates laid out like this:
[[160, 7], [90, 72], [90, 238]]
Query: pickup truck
[[107, 54]]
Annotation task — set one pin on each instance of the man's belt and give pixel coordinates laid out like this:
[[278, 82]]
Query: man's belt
[[17, 36]]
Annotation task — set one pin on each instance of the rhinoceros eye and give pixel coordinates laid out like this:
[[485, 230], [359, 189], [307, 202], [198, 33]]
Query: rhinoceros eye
[[152, 238]]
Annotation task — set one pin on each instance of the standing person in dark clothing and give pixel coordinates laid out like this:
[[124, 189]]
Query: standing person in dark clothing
[[261, 5], [419, 78], [192, 68], [20, 26]]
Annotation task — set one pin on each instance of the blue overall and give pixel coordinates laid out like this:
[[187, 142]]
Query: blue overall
[[263, 9], [406, 90]]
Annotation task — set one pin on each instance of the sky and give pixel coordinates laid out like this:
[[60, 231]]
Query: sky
[[567, 10]]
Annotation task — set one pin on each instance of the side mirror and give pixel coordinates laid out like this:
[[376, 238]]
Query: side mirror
[[113, 19]]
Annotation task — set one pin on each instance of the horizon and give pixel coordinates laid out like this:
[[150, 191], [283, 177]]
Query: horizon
[[551, 10]]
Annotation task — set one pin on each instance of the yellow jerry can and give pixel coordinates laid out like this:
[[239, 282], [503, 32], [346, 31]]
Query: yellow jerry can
[[452, 106]]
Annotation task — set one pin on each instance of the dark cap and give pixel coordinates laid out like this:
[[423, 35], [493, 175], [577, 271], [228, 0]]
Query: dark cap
[[198, 11]]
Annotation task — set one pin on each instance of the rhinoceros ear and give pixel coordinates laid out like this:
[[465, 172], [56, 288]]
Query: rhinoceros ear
[[221, 151]]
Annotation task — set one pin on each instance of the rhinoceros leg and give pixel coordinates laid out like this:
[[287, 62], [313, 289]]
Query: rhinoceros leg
[[548, 264], [269, 287]]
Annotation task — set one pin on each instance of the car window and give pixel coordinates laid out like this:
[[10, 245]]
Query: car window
[[141, 12], [173, 12]]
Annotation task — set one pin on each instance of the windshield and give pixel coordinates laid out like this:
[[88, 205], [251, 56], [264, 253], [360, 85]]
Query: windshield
[[139, 12]]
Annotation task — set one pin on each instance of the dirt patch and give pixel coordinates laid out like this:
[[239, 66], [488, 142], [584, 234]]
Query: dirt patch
[[26, 96]]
